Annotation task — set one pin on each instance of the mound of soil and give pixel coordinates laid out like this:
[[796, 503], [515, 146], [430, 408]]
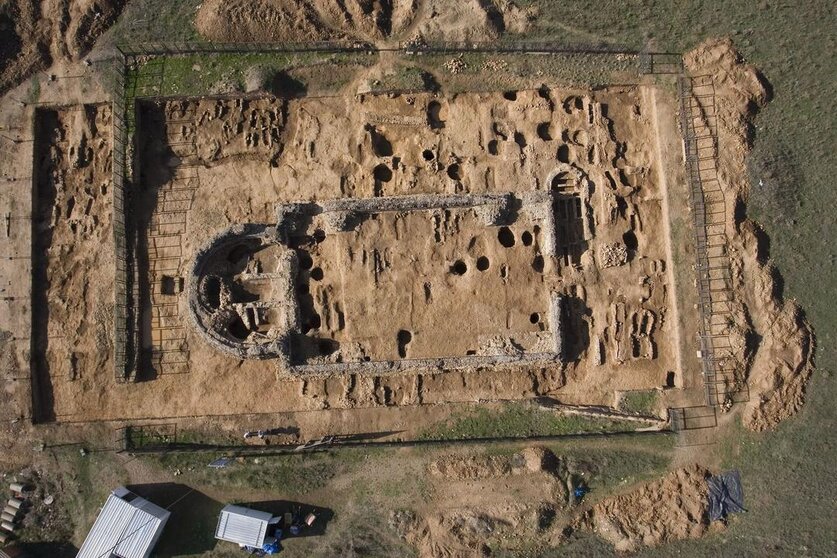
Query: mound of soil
[[368, 19], [674, 507], [770, 335], [371, 20], [35, 34], [230, 21], [472, 20]]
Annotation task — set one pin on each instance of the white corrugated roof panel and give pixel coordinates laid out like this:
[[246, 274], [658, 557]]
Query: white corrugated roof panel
[[242, 525], [127, 527]]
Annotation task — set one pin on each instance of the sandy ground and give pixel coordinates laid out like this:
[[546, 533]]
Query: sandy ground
[[589, 146], [72, 314]]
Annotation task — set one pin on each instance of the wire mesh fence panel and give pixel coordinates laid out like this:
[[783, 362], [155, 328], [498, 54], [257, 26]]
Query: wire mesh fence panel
[[122, 268], [698, 120]]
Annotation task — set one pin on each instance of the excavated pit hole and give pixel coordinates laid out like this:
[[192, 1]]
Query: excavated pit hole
[[538, 263], [428, 155], [327, 346], [237, 329], [314, 322], [631, 243], [459, 268], [382, 173], [305, 261], [237, 253], [544, 131], [506, 237], [455, 171], [434, 111], [492, 147], [404, 337], [534, 318], [482, 263], [171, 285], [316, 274], [212, 291], [526, 238], [563, 153], [635, 348], [510, 95], [669, 379], [381, 146]]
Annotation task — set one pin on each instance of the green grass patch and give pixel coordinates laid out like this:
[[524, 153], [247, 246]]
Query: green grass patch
[[146, 21], [639, 402], [518, 420], [498, 72], [294, 474], [207, 73]]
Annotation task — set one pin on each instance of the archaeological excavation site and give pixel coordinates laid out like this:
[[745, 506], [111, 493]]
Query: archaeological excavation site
[[350, 239], [374, 249]]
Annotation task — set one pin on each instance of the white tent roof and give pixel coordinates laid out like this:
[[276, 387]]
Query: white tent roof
[[242, 525], [127, 527]]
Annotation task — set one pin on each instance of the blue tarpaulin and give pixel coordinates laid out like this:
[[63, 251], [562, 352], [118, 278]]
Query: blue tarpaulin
[[725, 495]]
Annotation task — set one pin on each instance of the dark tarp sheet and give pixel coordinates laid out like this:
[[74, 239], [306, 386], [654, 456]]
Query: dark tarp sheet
[[725, 495]]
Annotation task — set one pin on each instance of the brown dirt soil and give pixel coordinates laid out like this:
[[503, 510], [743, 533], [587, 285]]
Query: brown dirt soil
[[372, 20], [486, 502], [72, 315], [778, 365], [471, 20], [33, 35], [672, 508], [276, 151], [260, 20], [530, 460]]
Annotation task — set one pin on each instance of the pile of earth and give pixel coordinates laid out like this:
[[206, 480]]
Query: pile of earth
[[772, 334], [672, 508], [34, 35], [369, 20]]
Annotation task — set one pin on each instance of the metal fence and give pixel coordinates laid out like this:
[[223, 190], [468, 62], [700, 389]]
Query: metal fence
[[146, 437], [165, 439], [698, 120], [123, 314], [159, 48]]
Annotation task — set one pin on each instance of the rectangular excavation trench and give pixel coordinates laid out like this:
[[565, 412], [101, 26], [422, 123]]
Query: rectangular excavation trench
[[426, 281], [404, 251], [72, 251]]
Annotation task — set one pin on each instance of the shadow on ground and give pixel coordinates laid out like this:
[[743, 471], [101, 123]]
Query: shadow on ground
[[191, 527], [282, 507]]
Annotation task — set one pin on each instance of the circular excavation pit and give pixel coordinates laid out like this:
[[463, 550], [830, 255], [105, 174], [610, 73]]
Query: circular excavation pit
[[239, 292]]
